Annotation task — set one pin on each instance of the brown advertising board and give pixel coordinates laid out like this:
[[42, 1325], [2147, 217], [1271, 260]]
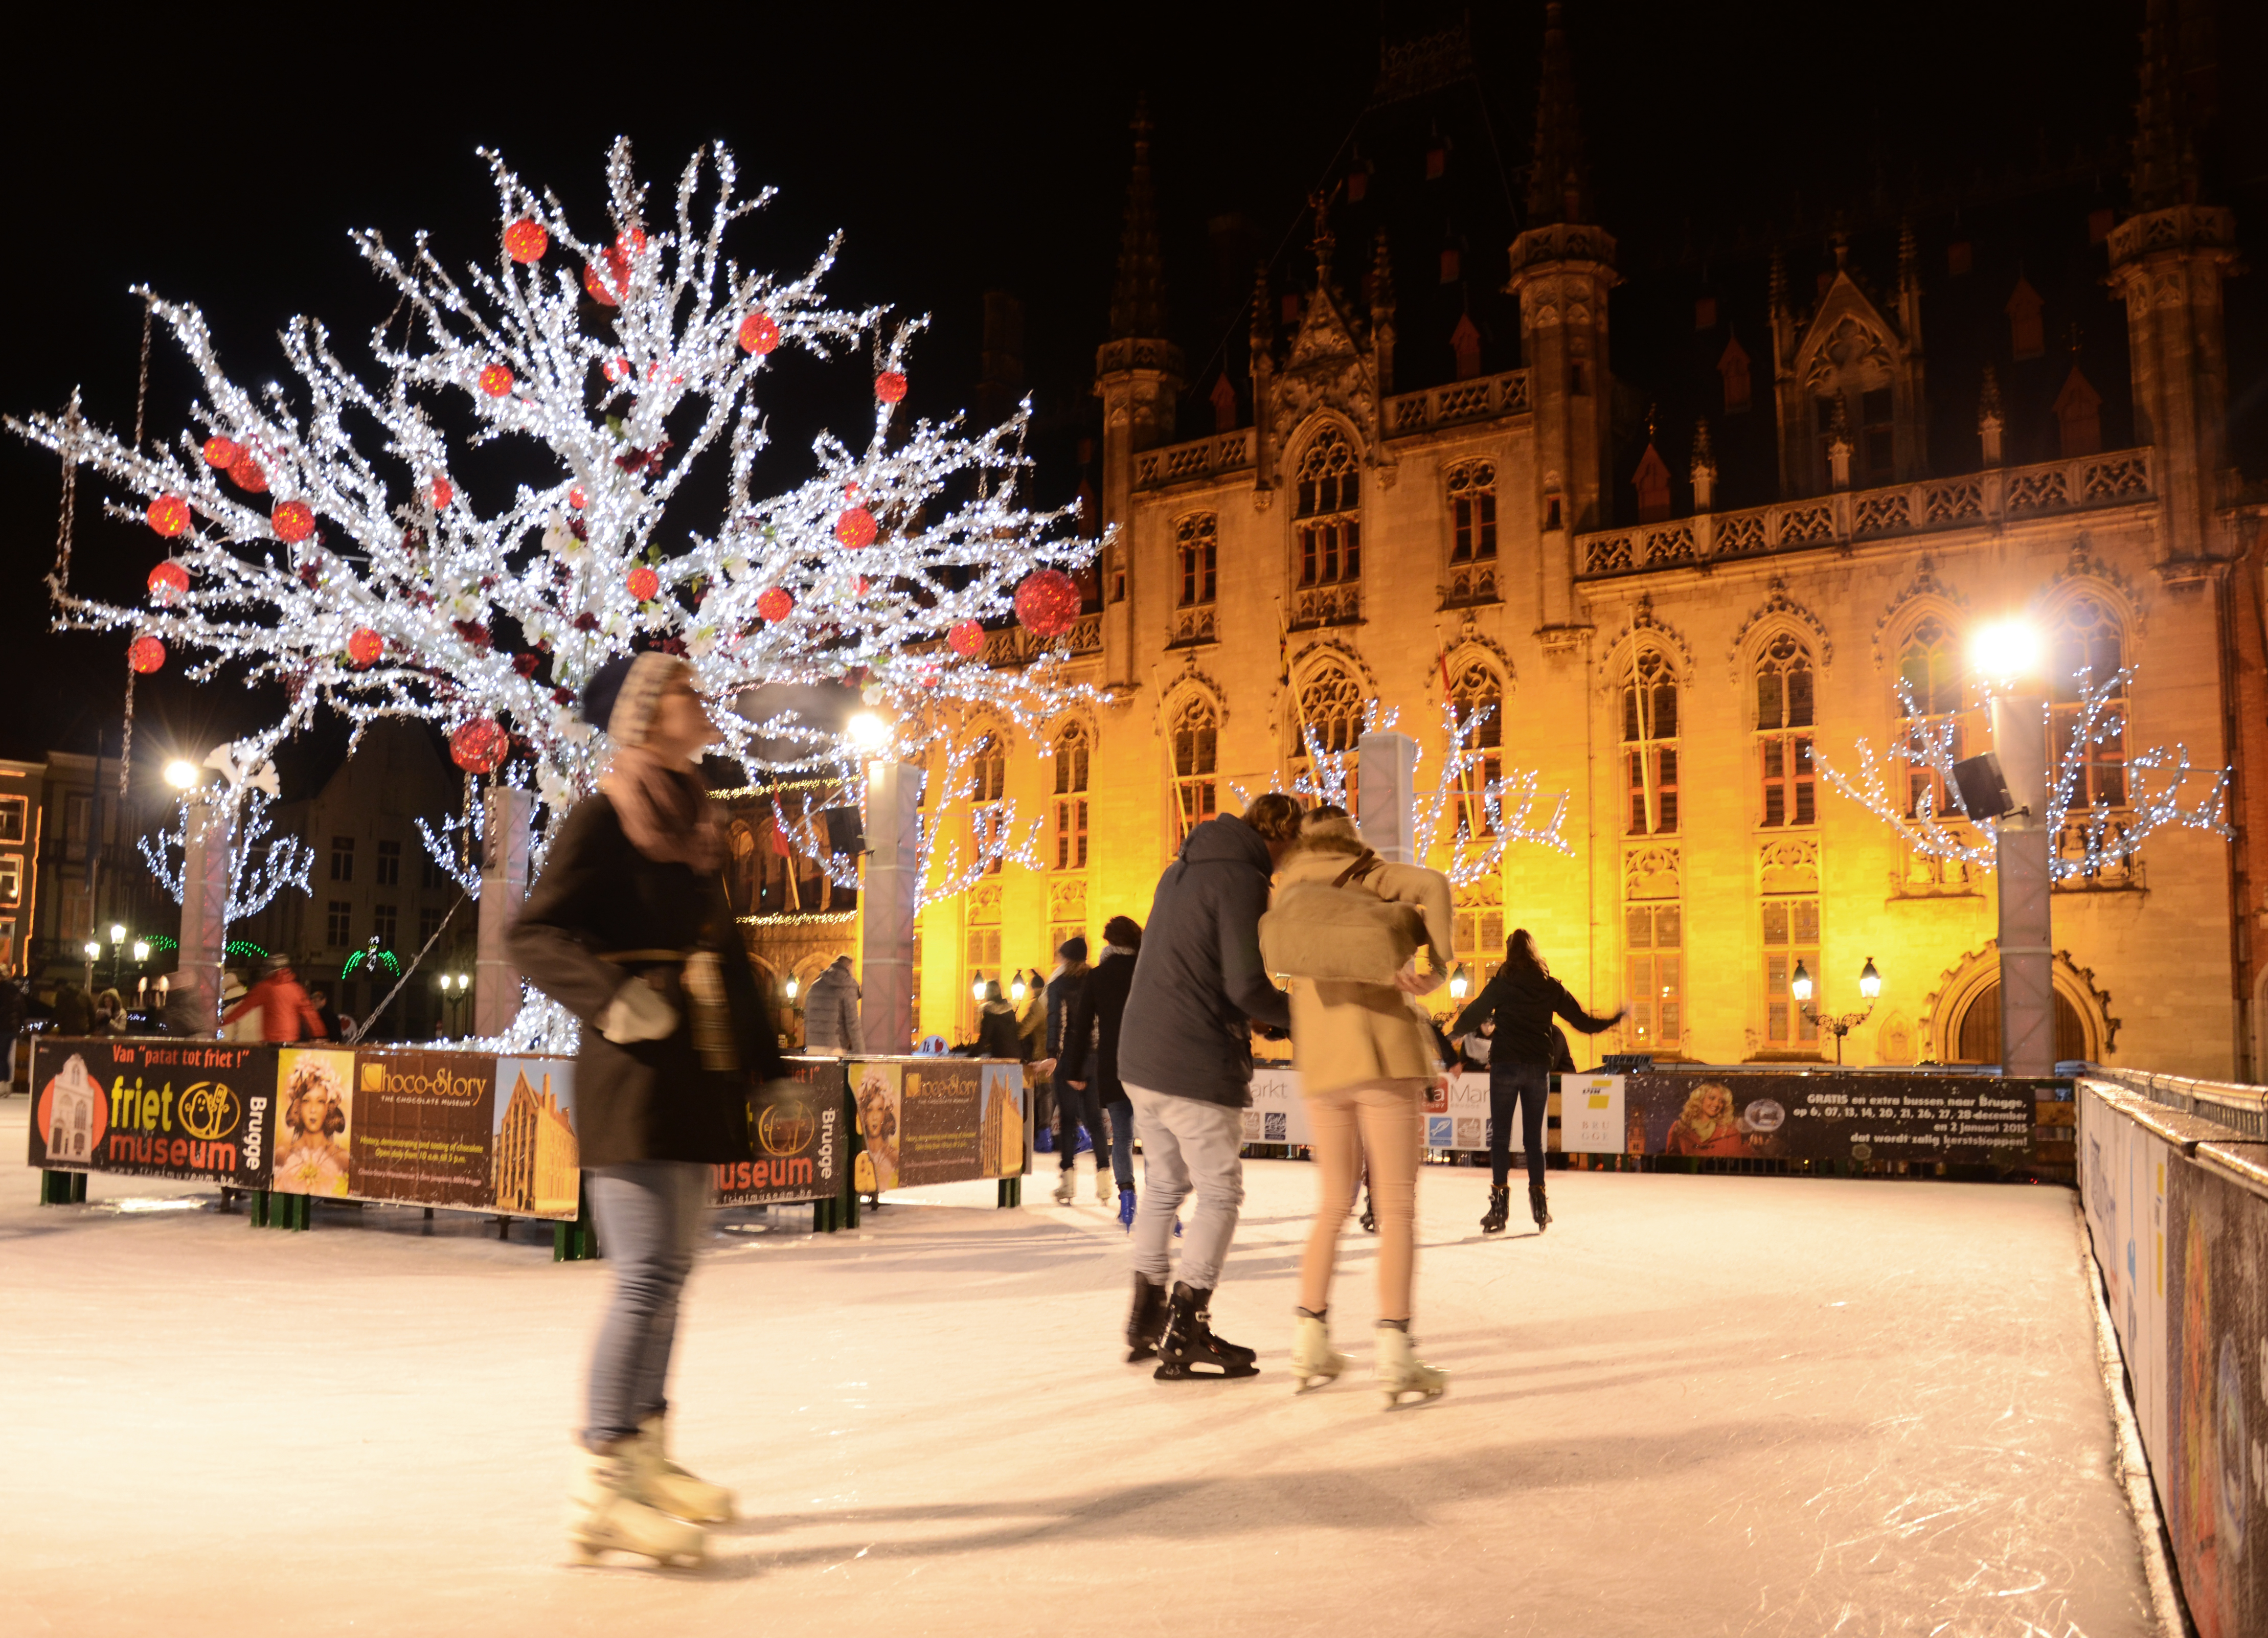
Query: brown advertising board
[[153, 1107], [796, 1139], [928, 1119], [1828, 1116], [423, 1123]]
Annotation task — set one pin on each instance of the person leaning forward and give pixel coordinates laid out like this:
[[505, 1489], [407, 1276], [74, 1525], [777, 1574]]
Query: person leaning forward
[[1185, 1057]]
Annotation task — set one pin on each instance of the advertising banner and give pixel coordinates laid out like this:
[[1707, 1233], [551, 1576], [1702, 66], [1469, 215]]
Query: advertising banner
[[2122, 1187], [310, 1146], [795, 1127], [1276, 1115], [1828, 1117], [195, 1109], [874, 1088], [1591, 1116], [422, 1128], [1007, 1112], [537, 1159], [941, 1101]]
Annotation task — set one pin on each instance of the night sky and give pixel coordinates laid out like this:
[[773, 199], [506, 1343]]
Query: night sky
[[961, 149]]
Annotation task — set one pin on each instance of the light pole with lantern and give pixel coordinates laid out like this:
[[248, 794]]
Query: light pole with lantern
[[456, 990], [1870, 987]]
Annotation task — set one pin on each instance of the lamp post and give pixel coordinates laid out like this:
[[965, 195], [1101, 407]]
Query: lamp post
[[2007, 657], [1019, 989], [456, 988], [1870, 986], [117, 950], [93, 949], [791, 987], [1459, 983]]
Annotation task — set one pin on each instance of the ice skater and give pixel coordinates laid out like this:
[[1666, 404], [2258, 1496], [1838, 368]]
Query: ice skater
[[1070, 1059], [630, 930], [1100, 1010], [1185, 1056], [1520, 1000]]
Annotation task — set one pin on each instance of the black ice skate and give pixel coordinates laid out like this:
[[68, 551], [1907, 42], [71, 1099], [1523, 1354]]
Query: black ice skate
[[1188, 1351], [1369, 1218], [1536, 1206], [1499, 1210], [1148, 1321]]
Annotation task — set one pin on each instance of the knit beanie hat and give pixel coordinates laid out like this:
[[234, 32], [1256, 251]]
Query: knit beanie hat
[[620, 698], [1073, 949]]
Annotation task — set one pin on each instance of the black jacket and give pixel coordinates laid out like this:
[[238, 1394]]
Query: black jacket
[[1198, 978], [997, 1035], [1522, 1004], [1073, 1054], [649, 1100], [1100, 1010]]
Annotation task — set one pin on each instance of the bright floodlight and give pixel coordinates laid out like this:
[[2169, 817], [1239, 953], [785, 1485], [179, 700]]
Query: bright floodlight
[[179, 775], [1870, 982], [2006, 649], [869, 731], [1799, 986]]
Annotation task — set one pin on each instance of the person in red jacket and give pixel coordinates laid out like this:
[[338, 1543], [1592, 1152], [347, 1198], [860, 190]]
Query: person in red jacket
[[286, 1015]]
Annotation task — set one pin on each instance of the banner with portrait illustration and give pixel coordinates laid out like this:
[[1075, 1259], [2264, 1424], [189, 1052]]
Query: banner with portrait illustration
[[199, 1111], [1706, 1114], [927, 1120]]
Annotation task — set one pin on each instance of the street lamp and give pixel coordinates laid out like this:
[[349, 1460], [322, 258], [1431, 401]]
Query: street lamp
[[976, 989], [792, 987], [869, 731], [1459, 984], [1019, 989], [1870, 986], [182, 774], [93, 954], [141, 951], [455, 988]]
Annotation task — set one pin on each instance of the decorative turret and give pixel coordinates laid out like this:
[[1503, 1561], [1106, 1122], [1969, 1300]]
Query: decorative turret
[[1704, 468], [1137, 299], [1989, 422], [1381, 315], [1556, 180]]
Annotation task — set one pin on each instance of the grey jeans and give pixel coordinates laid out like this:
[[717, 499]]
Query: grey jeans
[[649, 1216], [1186, 1144]]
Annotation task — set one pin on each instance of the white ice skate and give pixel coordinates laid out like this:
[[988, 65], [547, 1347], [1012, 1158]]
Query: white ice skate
[[604, 1514], [1066, 1188], [663, 1484], [1399, 1372], [1105, 1191], [1313, 1359]]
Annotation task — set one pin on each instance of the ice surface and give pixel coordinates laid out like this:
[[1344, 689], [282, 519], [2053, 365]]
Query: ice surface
[[1698, 1404]]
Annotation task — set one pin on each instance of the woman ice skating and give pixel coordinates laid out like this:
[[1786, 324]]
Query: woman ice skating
[[1366, 1057], [629, 928], [1520, 1000], [1072, 1077], [1099, 1009]]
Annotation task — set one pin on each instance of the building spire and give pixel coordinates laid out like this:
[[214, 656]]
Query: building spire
[[2158, 178], [1556, 181], [1138, 300]]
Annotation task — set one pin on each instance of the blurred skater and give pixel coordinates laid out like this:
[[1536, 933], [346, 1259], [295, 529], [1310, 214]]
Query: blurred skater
[[1072, 1055], [1185, 1053], [1520, 1000], [630, 930], [1099, 1011]]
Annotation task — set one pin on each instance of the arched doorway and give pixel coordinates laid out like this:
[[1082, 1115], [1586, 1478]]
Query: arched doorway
[[1977, 1040]]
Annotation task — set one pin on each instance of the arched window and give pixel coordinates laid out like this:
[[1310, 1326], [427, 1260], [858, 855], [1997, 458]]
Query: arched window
[[1472, 512], [1476, 687], [2086, 650], [1196, 728], [988, 770], [1650, 742], [1330, 710], [1070, 798], [1198, 539], [1329, 518], [1931, 683], [1783, 722]]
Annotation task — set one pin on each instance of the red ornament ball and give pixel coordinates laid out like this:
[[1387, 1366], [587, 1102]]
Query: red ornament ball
[[595, 286], [1047, 602], [479, 746], [294, 521], [244, 473], [526, 240], [444, 492], [575, 498], [146, 655], [169, 515], [759, 333], [855, 528], [616, 369], [223, 452], [889, 386], [965, 639], [364, 646], [775, 604], [167, 581], [496, 380], [643, 583], [627, 243]]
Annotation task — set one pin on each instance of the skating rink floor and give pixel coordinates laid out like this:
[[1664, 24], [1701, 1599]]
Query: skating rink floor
[[1697, 1405]]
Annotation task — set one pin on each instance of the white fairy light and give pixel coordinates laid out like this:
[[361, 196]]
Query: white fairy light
[[260, 866]]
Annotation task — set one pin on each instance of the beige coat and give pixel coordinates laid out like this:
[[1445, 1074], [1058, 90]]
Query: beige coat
[[1343, 1033]]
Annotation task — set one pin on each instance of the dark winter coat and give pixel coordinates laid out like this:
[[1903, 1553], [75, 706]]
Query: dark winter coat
[[74, 1011], [646, 1100], [1099, 1009], [997, 1033], [1198, 978], [1073, 1054], [12, 1008], [1522, 1003], [831, 1012]]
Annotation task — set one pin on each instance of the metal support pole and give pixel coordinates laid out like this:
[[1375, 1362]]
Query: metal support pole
[[887, 902], [2023, 877], [505, 846], [1385, 797]]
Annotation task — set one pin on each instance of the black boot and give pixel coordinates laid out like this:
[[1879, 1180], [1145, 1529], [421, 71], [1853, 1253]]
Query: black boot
[[1369, 1218], [1190, 1350], [1499, 1209], [1147, 1323], [1536, 1208]]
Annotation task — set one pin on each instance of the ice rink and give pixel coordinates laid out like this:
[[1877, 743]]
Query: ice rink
[[1697, 1405]]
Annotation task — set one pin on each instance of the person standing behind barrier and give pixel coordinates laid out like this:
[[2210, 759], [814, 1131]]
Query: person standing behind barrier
[[1366, 1057], [1520, 999], [1185, 1054], [1099, 1012], [286, 1015], [11, 1020], [630, 930], [1073, 1080], [830, 1013]]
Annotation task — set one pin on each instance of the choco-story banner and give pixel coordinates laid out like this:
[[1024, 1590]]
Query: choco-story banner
[[198, 1110], [422, 1126]]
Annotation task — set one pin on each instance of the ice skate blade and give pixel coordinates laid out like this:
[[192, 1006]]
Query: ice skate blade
[[1309, 1384], [588, 1554], [1169, 1371], [1394, 1396], [1135, 1356]]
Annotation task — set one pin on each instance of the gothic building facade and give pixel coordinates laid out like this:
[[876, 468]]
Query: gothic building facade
[[1685, 587]]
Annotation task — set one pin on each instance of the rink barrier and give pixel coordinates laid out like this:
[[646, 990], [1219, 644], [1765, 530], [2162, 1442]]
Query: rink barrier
[[2175, 1204], [437, 1128]]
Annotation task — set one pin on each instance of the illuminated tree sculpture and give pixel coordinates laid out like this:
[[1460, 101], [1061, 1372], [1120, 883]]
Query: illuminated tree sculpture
[[341, 536], [260, 866]]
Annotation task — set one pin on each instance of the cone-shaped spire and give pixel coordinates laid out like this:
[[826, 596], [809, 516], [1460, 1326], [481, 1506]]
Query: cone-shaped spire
[[2157, 177], [1381, 281], [1138, 300], [1555, 184]]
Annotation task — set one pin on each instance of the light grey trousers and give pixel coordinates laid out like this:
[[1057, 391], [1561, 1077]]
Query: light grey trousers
[[649, 1218], [1186, 1144]]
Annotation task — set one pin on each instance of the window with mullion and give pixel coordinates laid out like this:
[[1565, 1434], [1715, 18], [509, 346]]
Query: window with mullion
[[1791, 935], [1655, 964]]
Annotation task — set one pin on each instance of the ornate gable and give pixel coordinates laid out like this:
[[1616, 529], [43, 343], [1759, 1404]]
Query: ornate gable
[[1847, 333]]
